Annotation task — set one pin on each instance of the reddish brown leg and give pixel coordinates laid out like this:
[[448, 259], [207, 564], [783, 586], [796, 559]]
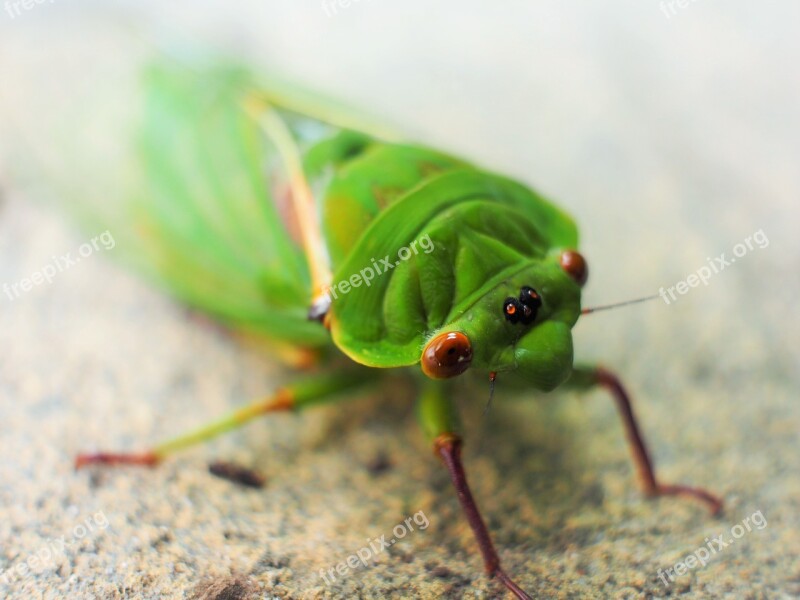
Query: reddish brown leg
[[641, 457], [448, 447]]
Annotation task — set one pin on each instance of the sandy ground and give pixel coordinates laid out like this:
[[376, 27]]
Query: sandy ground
[[670, 137]]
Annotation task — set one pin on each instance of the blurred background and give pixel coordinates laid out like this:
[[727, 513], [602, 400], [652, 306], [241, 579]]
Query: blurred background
[[670, 130]]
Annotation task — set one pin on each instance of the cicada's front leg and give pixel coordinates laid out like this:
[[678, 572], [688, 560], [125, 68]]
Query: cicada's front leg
[[438, 418], [588, 377]]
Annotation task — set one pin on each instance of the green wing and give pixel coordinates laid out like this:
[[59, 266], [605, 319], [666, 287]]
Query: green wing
[[207, 214]]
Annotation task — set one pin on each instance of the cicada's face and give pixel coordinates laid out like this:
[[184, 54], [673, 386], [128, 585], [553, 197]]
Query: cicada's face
[[521, 326]]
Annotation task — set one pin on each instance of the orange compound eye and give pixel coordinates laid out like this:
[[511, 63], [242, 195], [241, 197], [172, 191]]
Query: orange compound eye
[[575, 266], [447, 355]]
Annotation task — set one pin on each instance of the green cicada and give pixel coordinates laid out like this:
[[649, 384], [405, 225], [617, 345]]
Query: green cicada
[[293, 220]]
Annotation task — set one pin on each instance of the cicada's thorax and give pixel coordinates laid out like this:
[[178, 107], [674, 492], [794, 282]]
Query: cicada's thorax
[[420, 240]]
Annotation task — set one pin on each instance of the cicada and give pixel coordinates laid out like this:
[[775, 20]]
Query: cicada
[[352, 249]]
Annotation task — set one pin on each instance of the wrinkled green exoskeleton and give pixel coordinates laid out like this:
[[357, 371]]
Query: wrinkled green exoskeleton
[[286, 218]]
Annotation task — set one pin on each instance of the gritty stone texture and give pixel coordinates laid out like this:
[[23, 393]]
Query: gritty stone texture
[[669, 139]]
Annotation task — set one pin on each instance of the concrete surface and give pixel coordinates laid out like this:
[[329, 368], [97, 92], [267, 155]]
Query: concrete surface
[[671, 137]]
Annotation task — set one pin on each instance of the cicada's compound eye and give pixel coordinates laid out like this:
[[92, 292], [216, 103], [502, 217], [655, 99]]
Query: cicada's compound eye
[[447, 355], [575, 265]]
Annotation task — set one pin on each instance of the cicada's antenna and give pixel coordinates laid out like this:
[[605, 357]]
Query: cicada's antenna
[[492, 377], [587, 311]]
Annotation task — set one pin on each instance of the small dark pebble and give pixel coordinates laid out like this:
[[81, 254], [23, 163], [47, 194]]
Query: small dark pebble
[[379, 464], [236, 474], [441, 572]]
